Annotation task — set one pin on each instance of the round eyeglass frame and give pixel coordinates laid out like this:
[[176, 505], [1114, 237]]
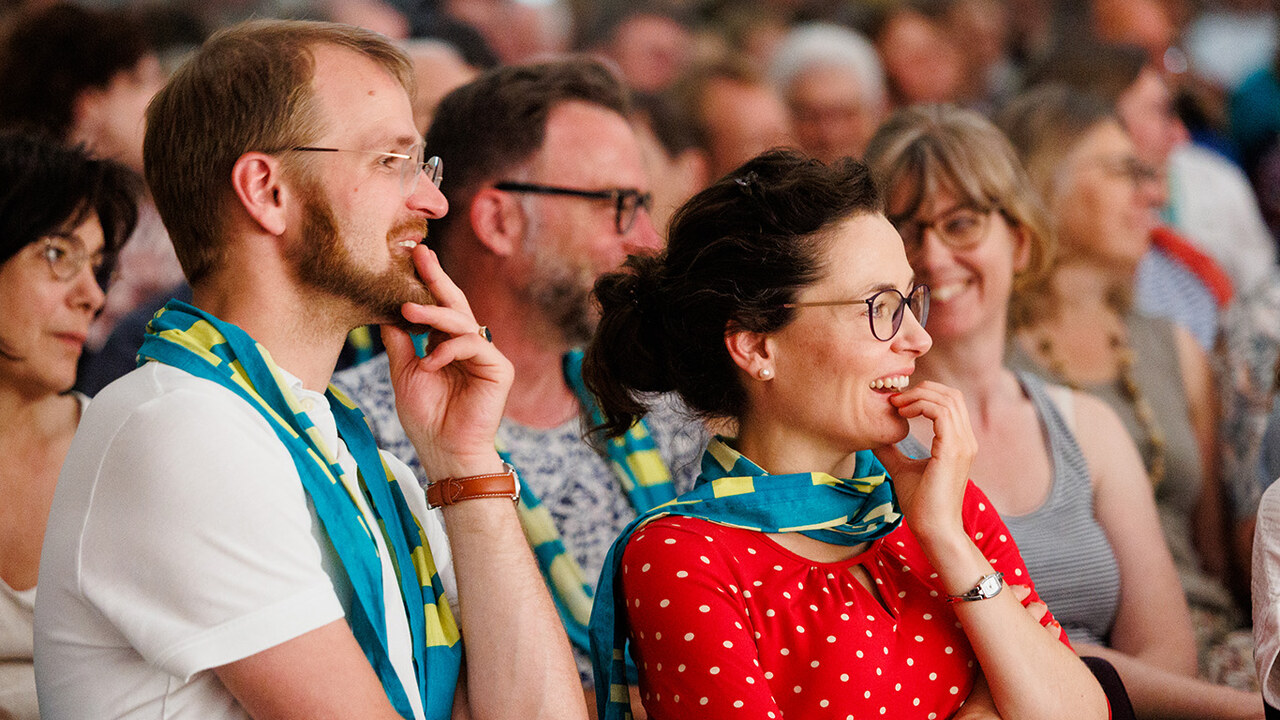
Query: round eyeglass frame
[[917, 299]]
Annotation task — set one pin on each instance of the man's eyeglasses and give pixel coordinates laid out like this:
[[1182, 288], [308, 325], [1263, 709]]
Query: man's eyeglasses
[[66, 255], [627, 201], [885, 309], [410, 165], [1131, 168], [961, 228]]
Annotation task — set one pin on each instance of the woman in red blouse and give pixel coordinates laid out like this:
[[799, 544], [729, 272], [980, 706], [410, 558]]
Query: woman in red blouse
[[797, 580]]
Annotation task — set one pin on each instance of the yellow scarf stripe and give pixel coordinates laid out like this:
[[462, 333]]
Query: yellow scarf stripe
[[648, 467], [730, 486], [567, 573], [539, 526]]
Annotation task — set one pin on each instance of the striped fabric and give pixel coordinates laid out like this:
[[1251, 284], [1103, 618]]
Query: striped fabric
[[841, 511], [199, 343]]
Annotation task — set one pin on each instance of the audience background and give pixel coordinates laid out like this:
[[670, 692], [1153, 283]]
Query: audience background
[[721, 80]]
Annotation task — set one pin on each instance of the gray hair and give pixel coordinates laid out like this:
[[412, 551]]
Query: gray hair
[[822, 44]]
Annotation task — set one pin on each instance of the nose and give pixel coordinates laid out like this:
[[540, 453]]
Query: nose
[[426, 197], [643, 237], [912, 337]]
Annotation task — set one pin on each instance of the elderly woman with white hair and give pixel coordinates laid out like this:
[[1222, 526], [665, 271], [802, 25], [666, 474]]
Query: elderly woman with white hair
[[834, 87]]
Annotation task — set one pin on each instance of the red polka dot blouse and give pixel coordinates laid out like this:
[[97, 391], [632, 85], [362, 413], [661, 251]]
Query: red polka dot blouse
[[726, 623]]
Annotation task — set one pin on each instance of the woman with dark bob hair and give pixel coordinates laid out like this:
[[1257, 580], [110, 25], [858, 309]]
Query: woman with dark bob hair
[[815, 571], [62, 218]]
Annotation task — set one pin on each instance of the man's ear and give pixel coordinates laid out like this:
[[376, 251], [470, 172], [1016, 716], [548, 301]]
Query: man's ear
[[750, 351], [256, 180], [497, 221]]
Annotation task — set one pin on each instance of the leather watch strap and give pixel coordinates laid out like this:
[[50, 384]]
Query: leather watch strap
[[455, 490]]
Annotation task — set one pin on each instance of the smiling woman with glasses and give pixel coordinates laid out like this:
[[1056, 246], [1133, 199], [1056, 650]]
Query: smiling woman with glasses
[[62, 220], [815, 571], [1058, 465]]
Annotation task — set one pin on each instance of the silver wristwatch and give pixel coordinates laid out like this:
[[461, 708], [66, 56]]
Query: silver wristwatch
[[988, 587]]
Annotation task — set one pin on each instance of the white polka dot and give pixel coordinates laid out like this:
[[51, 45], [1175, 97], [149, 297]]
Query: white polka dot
[[910, 662], [704, 559], [757, 583], [915, 701], [657, 636], [688, 636], [844, 677], [867, 694], [871, 618], [751, 680], [676, 698], [784, 651], [1004, 538], [751, 550], [715, 670], [868, 633], [786, 594], [932, 716], [757, 634], [882, 710], [813, 608], [859, 653], [682, 574], [844, 616], [900, 544], [728, 643], [933, 676], [645, 568], [982, 506], [704, 608], [737, 703], [1017, 571], [771, 714], [768, 676], [898, 686], [813, 664], [703, 701], [709, 538], [681, 668], [800, 628], [928, 616], [879, 671], [800, 586], [637, 603], [777, 567], [664, 603], [919, 638], [955, 690], [733, 588], [886, 650], [746, 594], [659, 667], [796, 689], [831, 638], [770, 612], [977, 535], [902, 593], [737, 625], [670, 541], [948, 650]]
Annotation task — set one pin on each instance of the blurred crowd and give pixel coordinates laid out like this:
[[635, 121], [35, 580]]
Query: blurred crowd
[[1189, 236]]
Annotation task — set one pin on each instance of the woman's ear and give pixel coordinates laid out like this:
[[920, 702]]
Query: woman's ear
[[751, 351]]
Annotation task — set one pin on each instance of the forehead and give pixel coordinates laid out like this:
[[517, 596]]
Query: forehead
[[358, 100], [1107, 139], [865, 251], [590, 146], [826, 85]]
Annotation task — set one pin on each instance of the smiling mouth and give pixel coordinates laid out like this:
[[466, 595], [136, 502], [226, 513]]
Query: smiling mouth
[[944, 293], [893, 383]]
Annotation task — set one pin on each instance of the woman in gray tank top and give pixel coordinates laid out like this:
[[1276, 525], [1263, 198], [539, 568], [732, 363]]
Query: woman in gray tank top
[[1058, 465]]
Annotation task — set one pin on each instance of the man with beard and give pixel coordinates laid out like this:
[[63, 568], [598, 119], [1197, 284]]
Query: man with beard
[[549, 191], [226, 539]]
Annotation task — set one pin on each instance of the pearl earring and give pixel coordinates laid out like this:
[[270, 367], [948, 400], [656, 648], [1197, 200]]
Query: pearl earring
[[765, 373]]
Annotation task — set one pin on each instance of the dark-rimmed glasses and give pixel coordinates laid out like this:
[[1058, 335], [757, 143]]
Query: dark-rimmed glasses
[[885, 309], [627, 201], [961, 228], [410, 165], [66, 255]]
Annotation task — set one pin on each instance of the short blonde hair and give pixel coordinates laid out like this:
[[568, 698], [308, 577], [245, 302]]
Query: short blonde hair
[[248, 88], [926, 149]]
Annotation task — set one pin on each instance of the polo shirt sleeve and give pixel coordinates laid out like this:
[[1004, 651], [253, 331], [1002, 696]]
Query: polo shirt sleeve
[[198, 544]]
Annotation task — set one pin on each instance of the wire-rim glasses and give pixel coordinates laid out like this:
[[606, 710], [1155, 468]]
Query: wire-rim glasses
[[960, 228], [411, 165], [628, 201], [66, 255], [885, 309]]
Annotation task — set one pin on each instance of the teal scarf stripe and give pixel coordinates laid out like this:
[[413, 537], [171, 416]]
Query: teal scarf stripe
[[841, 511], [645, 480], [195, 350]]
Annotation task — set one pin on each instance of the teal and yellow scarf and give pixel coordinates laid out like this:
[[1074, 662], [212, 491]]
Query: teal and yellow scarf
[[841, 511], [199, 343], [646, 481]]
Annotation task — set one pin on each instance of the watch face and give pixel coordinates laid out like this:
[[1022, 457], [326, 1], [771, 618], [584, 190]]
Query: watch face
[[990, 585]]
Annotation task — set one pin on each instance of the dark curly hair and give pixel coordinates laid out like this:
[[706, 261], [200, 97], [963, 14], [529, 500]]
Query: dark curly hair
[[738, 251]]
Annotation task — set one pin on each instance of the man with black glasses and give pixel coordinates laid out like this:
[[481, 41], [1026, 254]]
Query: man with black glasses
[[549, 191]]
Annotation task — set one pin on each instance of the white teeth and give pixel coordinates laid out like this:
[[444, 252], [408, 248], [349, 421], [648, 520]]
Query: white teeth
[[946, 292], [896, 382], [410, 244]]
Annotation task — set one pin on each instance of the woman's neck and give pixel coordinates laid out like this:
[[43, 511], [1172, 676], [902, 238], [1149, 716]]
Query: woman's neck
[[31, 416], [780, 449]]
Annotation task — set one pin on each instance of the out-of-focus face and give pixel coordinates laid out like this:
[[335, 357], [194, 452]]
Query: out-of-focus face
[[571, 241], [1103, 206], [922, 62], [1146, 109], [967, 254], [112, 121], [356, 229], [742, 120], [651, 51], [831, 113], [832, 378], [46, 319]]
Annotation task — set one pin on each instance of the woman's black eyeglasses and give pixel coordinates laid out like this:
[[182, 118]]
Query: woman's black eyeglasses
[[885, 309]]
